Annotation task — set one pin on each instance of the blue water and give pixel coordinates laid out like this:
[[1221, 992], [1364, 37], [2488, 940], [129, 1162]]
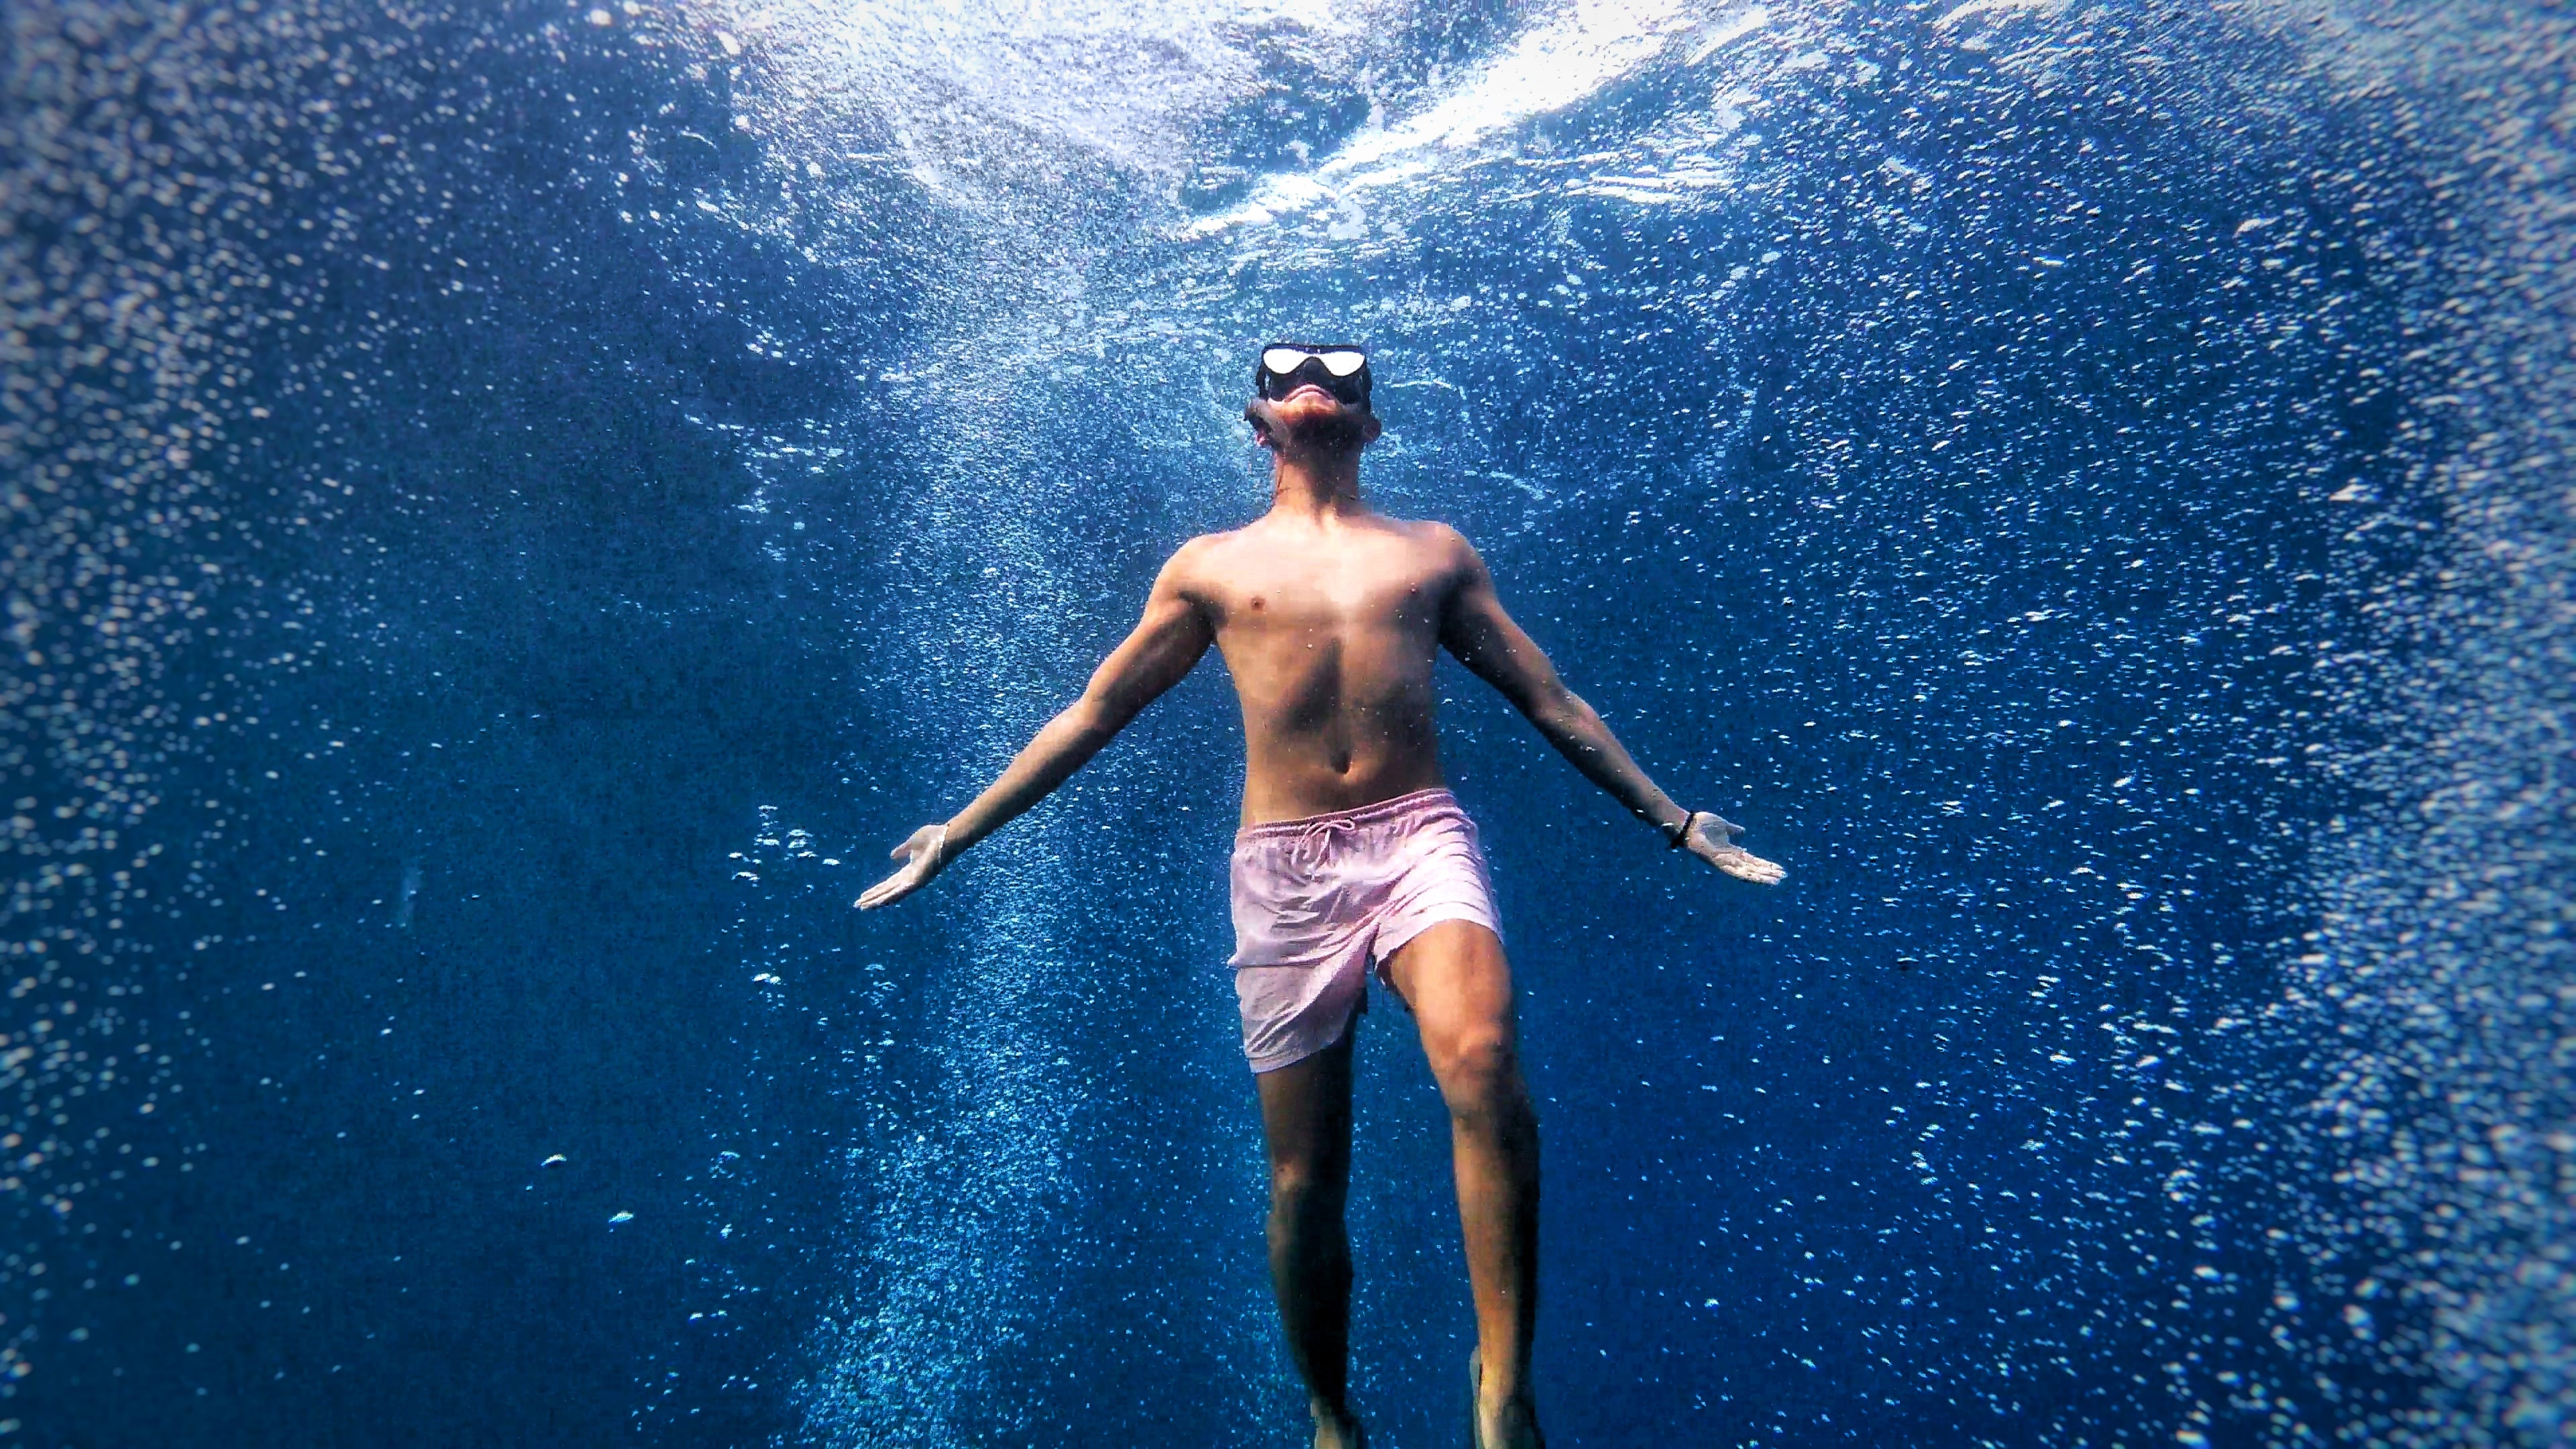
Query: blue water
[[512, 509]]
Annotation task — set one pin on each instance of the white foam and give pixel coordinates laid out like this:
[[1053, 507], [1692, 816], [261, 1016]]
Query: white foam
[[1553, 67], [2001, 8], [1126, 81]]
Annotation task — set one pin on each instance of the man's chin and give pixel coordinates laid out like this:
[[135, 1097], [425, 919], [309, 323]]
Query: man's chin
[[1339, 430], [1329, 427]]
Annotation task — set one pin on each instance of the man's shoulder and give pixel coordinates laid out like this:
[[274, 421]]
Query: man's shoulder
[[1430, 533], [1192, 557], [1205, 544]]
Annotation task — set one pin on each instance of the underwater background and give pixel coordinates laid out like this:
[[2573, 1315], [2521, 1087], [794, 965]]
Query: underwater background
[[513, 508]]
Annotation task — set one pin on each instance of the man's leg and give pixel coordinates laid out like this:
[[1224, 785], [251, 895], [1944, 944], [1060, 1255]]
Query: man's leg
[[1459, 986], [1306, 1119]]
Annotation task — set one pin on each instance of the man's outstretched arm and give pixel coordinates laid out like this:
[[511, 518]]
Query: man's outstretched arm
[[1164, 645], [1487, 641]]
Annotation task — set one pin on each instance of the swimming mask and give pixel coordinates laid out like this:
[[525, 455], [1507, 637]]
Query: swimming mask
[[1337, 367]]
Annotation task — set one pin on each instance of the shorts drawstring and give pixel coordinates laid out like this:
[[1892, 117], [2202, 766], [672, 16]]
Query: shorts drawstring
[[1321, 826]]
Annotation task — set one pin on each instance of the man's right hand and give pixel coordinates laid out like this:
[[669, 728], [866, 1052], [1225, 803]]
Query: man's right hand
[[924, 855]]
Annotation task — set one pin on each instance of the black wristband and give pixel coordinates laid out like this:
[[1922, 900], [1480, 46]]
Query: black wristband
[[1681, 832]]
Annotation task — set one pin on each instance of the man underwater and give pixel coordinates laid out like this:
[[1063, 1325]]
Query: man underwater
[[1354, 859]]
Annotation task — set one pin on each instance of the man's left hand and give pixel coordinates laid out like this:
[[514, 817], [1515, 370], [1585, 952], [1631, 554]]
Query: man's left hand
[[1711, 838]]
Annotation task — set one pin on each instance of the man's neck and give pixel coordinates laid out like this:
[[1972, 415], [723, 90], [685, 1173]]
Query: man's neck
[[1316, 486]]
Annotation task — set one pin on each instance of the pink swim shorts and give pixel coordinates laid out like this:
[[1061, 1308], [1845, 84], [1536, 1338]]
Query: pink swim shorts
[[1321, 902]]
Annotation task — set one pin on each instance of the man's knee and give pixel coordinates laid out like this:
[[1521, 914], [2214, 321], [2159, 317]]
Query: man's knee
[[1478, 1071], [1303, 1191]]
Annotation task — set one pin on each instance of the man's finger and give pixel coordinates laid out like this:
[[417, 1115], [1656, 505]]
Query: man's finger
[[878, 894], [1745, 865], [1736, 861]]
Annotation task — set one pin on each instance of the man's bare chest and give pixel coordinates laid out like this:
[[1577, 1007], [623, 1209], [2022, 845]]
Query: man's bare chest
[[1275, 597]]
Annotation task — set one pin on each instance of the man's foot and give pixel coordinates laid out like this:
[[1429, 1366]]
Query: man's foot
[[1508, 1424], [1338, 1431]]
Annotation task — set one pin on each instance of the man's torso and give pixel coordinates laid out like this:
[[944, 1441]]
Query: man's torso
[[1330, 630]]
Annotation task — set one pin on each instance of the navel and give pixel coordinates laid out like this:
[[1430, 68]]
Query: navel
[[1256, 603]]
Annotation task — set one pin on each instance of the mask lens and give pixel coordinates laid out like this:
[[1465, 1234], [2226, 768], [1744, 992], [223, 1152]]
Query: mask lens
[[1343, 362], [1284, 360]]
